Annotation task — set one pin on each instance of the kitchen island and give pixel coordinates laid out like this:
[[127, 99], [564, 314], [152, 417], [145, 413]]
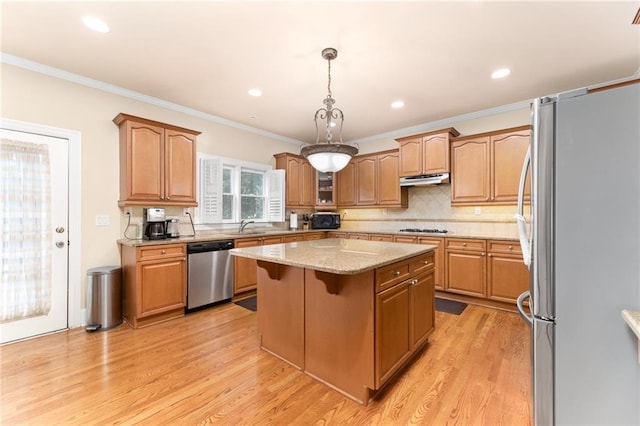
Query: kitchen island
[[350, 313]]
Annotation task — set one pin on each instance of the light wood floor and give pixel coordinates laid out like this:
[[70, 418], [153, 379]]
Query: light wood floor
[[208, 368]]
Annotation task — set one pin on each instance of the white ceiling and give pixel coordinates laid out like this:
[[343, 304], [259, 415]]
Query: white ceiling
[[436, 56]]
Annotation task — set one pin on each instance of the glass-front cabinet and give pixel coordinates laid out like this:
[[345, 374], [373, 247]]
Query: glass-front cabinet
[[325, 190]]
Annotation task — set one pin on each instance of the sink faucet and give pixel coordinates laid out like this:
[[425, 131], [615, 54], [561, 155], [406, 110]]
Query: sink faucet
[[244, 223]]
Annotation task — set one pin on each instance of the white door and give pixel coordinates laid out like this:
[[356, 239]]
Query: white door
[[34, 209]]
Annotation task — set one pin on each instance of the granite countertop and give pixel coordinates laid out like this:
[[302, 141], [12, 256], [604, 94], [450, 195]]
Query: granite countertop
[[334, 255], [632, 318], [231, 235]]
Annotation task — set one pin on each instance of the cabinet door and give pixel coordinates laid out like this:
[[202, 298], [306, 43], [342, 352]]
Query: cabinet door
[[145, 162], [392, 330], [411, 156], [507, 277], [422, 321], [439, 276], [466, 272], [366, 180], [389, 179], [326, 189], [245, 270], [293, 178], [162, 286], [347, 186], [180, 170], [436, 154], [507, 155], [470, 171], [308, 187]]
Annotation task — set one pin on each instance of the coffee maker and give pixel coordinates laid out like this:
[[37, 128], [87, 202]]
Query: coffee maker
[[153, 223]]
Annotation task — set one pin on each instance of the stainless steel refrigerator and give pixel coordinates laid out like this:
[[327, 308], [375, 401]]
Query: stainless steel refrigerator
[[582, 245]]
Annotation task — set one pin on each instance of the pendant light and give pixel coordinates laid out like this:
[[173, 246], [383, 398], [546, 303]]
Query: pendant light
[[329, 155]]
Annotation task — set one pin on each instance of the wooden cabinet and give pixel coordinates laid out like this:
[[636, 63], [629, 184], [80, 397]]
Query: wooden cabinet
[[299, 180], [372, 180], [439, 272], [405, 312], [507, 275], [244, 269], [466, 266], [507, 156], [389, 191], [326, 190], [155, 283], [486, 168], [307, 236], [337, 234], [358, 236], [157, 163], [347, 185], [426, 153], [366, 180]]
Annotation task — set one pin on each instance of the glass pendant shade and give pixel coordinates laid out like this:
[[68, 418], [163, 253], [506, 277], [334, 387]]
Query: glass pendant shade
[[329, 156]]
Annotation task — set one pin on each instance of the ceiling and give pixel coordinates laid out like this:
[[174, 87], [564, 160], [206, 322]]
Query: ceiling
[[436, 56]]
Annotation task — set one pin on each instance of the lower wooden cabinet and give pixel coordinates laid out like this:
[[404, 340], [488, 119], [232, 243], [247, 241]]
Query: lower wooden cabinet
[[245, 275], [405, 313], [155, 283], [466, 266], [507, 275], [439, 273]]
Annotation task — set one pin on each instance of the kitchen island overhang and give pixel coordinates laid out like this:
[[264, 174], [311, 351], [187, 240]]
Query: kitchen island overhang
[[350, 313]]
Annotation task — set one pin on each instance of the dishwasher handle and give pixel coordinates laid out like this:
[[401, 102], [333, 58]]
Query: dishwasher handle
[[209, 246]]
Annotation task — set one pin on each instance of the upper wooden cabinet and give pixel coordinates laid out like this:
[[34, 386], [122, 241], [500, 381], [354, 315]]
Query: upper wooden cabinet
[[486, 168], [372, 180], [157, 163], [347, 185], [426, 153], [299, 178]]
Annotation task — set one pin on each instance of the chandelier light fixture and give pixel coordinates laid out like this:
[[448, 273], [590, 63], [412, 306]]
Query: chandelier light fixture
[[329, 155]]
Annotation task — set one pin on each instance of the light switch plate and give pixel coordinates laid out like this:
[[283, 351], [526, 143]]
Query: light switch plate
[[102, 220]]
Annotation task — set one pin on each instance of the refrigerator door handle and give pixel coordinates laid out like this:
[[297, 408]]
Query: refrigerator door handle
[[520, 304], [525, 241]]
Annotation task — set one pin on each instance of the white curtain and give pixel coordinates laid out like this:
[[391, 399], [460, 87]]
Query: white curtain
[[25, 226]]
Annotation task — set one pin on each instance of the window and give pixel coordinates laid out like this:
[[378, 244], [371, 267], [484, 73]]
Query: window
[[231, 190]]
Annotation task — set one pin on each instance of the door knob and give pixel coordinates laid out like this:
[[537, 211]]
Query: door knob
[[60, 229], [60, 244]]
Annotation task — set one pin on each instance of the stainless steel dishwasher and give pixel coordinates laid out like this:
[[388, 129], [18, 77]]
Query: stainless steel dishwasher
[[209, 274]]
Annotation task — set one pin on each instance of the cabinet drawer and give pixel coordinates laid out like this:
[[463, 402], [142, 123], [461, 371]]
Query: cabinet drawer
[[314, 236], [358, 236], [381, 237], [422, 263], [160, 251], [390, 275], [504, 247], [466, 244]]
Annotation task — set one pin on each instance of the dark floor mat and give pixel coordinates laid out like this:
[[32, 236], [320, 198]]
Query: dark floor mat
[[450, 306], [248, 303]]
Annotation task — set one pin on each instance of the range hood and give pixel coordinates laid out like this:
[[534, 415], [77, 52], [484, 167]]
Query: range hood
[[425, 180]]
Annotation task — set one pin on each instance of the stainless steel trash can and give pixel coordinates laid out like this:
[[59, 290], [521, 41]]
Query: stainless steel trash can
[[104, 298]]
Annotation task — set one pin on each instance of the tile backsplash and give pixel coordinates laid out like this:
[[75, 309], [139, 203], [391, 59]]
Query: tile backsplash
[[430, 207]]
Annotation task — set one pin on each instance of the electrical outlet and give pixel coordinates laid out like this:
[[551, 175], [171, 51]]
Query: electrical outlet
[[185, 211], [478, 210], [346, 212], [128, 210]]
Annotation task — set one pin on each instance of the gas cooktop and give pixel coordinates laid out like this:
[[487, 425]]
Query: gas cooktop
[[426, 231]]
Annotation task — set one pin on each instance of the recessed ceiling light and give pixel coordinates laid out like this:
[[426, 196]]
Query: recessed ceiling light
[[502, 72], [397, 104], [95, 24], [255, 92]]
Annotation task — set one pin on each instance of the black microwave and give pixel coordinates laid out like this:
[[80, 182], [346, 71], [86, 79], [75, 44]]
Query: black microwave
[[325, 220]]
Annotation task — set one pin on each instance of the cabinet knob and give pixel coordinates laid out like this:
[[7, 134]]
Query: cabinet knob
[[464, 244], [481, 254], [426, 262], [163, 252], [490, 255], [510, 247], [396, 273]]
